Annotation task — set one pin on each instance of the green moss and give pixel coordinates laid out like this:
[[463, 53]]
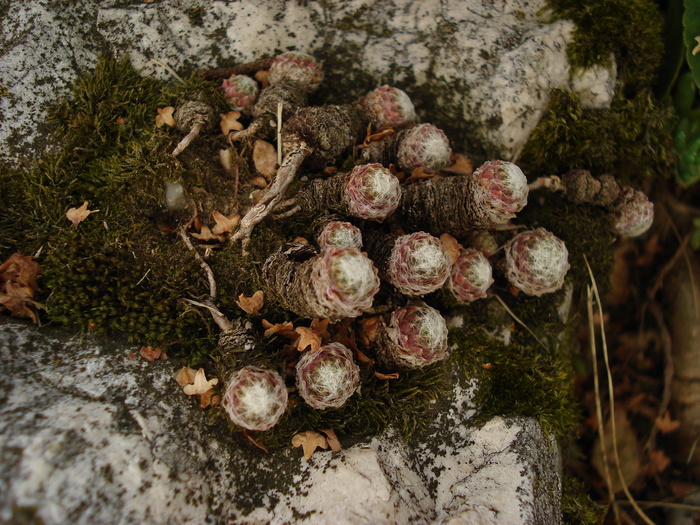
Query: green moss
[[629, 29], [631, 140], [577, 506]]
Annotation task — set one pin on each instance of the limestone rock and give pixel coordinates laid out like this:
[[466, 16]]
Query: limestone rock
[[89, 434], [488, 66]]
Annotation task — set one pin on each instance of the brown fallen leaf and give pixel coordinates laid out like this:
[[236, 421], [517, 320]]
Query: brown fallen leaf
[[310, 441], [165, 116], [229, 122], [260, 182], [185, 376], [77, 215], [333, 440], [283, 329], [251, 305], [224, 224], [665, 424], [205, 234], [263, 77], [368, 329], [265, 159], [151, 354], [658, 461], [461, 164], [18, 284], [379, 375], [320, 326], [418, 174], [451, 245], [200, 385], [362, 358], [308, 338], [208, 399]]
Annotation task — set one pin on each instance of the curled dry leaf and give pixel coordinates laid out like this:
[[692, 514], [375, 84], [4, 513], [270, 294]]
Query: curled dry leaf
[[205, 234], [77, 215], [461, 164], [307, 338], [200, 385], [165, 116], [368, 328], [260, 182], [283, 329], [263, 77], [18, 284], [333, 440], [362, 358], [151, 354], [185, 376], [251, 305], [209, 399], [320, 326], [265, 159], [224, 224], [451, 245], [666, 425], [310, 441], [379, 375], [229, 122]]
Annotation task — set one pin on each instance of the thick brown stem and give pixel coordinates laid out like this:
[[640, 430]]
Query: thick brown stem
[[244, 69], [285, 175]]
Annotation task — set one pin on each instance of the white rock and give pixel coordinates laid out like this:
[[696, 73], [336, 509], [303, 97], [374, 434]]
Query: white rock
[[490, 66], [89, 435]]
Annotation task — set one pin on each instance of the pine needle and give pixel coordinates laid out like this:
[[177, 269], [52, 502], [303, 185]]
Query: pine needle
[[517, 320], [279, 134], [611, 393]]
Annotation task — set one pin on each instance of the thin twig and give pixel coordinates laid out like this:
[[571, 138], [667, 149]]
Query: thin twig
[[598, 409], [187, 140], [207, 269], [611, 393], [279, 134], [510, 312]]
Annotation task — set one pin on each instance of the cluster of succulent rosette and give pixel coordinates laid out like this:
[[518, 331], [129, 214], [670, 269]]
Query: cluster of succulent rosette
[[335, 280]]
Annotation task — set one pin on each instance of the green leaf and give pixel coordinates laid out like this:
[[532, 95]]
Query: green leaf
[[691, 25]]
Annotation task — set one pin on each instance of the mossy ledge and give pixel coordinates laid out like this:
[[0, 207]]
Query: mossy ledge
[[124, 268]]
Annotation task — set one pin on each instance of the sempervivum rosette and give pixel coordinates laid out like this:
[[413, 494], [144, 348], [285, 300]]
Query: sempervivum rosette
[[424, 146], [536, 262], [633, 213], [241, 92], [389, 106], [471, 276], [327, 377], [337, 283], [296, 67], [340, 234], [418, 264], [500, 187], [255, 398], [372, 192], [416, 336]]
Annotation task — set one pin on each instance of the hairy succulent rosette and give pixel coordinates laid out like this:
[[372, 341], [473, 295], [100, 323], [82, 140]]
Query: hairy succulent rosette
[[344, 281], [471, 276], [418, 264], [389, 106], [372, 192], [633, 213], [327, 377], [255, 398], [240, 91], [419, 334], [424, 146], [536, 262], [501, 188], [297, 67], [340, 234]]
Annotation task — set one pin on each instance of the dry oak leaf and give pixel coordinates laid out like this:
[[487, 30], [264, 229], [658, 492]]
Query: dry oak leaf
[[251, 305], [185, 376], [224, 224], [310, 441], [165, 116], [460, 165], [200, 385], [229, 122], [283, 329], [379, 375], [451, 245], [22, 269], [205, 234], [151, 354], [320, 326], [307, 338], [333, 440], [665, 424], [78, 215], [265, 159]]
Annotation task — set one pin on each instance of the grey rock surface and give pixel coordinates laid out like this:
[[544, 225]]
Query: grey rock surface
[[483, 70], [92, 435]]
